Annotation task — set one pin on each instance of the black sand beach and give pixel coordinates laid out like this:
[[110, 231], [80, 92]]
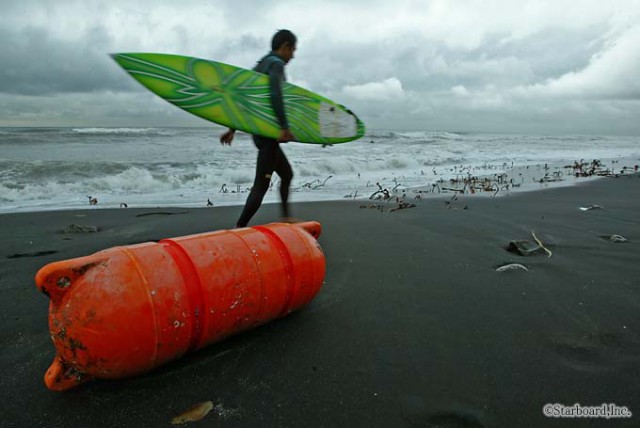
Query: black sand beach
[[413, 326]]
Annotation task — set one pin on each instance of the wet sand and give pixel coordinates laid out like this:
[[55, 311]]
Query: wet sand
[[413, 326]]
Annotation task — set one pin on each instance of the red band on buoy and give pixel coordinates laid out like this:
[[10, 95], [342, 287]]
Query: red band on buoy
[[281, 247], [193, 286]]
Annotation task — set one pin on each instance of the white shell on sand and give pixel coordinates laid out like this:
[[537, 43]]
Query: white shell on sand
[[511, 266], [591, 207], [194, 413]]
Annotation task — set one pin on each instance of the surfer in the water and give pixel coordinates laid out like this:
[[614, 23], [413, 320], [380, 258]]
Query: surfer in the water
[[271, 158]]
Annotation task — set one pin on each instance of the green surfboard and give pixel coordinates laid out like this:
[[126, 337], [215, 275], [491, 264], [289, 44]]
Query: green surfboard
[[239, 98]]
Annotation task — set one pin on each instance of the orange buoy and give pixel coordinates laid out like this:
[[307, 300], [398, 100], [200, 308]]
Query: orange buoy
[[126, 310]]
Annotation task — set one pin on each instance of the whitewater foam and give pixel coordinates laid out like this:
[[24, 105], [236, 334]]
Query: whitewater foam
[[59, 167]]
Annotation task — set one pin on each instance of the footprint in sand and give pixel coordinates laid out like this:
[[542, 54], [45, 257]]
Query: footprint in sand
[[596, 352], [453, 420], [33, 254], [162, 213], [418, 413]]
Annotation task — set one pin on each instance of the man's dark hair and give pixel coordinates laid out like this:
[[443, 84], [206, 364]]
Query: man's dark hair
[[282, 37]]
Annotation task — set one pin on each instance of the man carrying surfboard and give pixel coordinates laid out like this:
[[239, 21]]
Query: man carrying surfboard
[[271, 158]]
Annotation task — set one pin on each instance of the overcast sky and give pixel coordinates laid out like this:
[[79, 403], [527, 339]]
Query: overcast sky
[[540, 66]]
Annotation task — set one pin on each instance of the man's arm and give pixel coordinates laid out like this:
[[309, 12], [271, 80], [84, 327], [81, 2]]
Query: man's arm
[[276, 77]]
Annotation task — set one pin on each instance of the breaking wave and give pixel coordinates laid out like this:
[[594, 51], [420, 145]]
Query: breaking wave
[[48, 168]]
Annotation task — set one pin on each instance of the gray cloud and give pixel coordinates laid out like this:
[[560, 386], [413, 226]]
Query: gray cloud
[[550, 66], [36, 63]]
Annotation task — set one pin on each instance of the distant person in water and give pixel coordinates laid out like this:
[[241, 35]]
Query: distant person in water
[[271, 158]]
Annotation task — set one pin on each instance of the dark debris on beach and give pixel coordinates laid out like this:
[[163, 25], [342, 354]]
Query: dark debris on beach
[[467, 184]]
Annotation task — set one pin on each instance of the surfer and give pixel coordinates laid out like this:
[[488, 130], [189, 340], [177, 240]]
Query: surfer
[[271, 158]]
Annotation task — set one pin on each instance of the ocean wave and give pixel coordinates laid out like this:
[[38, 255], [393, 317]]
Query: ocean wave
[[34, 180], [121, 131], [434, 136], [354, 165], [128, 181], [57, 171], [60, 167], [381, 134], [416, 136], [42, 130]]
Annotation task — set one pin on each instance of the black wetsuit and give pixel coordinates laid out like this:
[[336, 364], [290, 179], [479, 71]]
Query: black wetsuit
[[270, 156]]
